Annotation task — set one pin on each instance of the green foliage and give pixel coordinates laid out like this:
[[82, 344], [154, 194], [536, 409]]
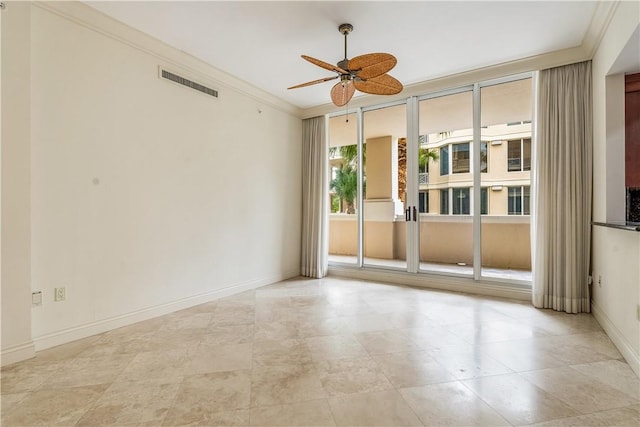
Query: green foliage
[[335, 204], [424, 156], [345, 186], [349, 153]]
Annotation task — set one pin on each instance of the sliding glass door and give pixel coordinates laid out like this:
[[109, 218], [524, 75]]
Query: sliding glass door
[[506, 113], [384, 149], [343, 189], [445, 189], [436, 184]]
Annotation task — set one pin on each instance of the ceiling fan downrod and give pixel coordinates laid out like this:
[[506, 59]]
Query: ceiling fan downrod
[[345, 29]]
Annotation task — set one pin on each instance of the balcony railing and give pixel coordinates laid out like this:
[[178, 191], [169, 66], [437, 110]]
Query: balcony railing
[[424, 178]]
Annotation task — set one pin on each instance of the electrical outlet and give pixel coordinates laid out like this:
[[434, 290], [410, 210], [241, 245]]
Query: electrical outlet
[[36, 298], [60, 294]]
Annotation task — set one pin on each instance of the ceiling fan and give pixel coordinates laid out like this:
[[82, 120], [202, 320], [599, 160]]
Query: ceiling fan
[[366, 73]]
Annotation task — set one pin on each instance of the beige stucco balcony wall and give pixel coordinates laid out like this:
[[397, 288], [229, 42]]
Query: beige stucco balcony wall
[[505, 244]]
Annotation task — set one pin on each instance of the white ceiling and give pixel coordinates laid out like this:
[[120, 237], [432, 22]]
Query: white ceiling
[[261, 42]]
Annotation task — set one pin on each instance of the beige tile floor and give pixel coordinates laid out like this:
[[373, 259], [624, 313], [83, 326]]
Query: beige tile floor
[[333, 352]]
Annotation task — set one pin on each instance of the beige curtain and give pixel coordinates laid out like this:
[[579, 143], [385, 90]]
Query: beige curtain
[[315, 156], [561, 218]]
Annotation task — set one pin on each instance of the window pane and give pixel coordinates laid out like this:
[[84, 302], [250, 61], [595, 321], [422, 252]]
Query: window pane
[[384, 187], [461, 201], [505, 122], [515, 201], [526, 155], [444, 202], [526, 200], [514, 163], [343, 188], [484, 201], [444, 160], [460, 158], [484, 157], [423, 201], [446, 240]]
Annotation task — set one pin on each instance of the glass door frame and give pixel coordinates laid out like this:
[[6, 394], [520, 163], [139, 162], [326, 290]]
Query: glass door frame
[[477, 132], [362, 111], [415, 249], [412, 190]]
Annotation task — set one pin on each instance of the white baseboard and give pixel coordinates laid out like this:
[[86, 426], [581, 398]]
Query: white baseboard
[[17, 353], [621, 343], [88, 329], [440, 282]]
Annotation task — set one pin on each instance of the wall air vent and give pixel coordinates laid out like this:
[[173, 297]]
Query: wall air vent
[[188, 83]]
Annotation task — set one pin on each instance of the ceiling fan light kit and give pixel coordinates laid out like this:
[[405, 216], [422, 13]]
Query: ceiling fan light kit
[[366, 73]]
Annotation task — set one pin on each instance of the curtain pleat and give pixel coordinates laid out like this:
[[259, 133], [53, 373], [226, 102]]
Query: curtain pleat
[[562, 182], [314, 258]]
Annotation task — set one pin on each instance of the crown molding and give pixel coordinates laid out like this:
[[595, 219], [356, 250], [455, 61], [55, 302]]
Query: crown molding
[[602, 16], [81, 14]]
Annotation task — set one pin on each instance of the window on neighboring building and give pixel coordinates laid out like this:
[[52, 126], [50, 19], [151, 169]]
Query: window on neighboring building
[[460, 158], [484, 157], [444, 160], [519, 155], [526, 154], [515, 201], [519, 200], [461, 201], [423, 201], [484, 201], [444, 202]]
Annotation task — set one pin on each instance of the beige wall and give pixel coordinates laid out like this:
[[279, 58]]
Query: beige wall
[[343, 234], [16, 183], [379, 238], [145, 195], [506, 241], [380, 168], [615, 253], [506, 245], [446, 242]]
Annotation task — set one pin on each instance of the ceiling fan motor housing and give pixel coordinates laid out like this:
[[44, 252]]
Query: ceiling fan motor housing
[[345, 28]]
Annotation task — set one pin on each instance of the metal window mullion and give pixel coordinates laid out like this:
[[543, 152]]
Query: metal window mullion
[[413, 227], [450, 160], [477, 254], [360, 218]]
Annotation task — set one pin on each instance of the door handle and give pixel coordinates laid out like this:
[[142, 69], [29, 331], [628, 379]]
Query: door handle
[[415, 214], [407, 214]]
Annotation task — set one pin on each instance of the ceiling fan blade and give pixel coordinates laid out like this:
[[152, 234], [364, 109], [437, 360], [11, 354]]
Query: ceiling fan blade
[[326, 79], [324, 65], [381, 85], [342, 92], [372, 64]]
